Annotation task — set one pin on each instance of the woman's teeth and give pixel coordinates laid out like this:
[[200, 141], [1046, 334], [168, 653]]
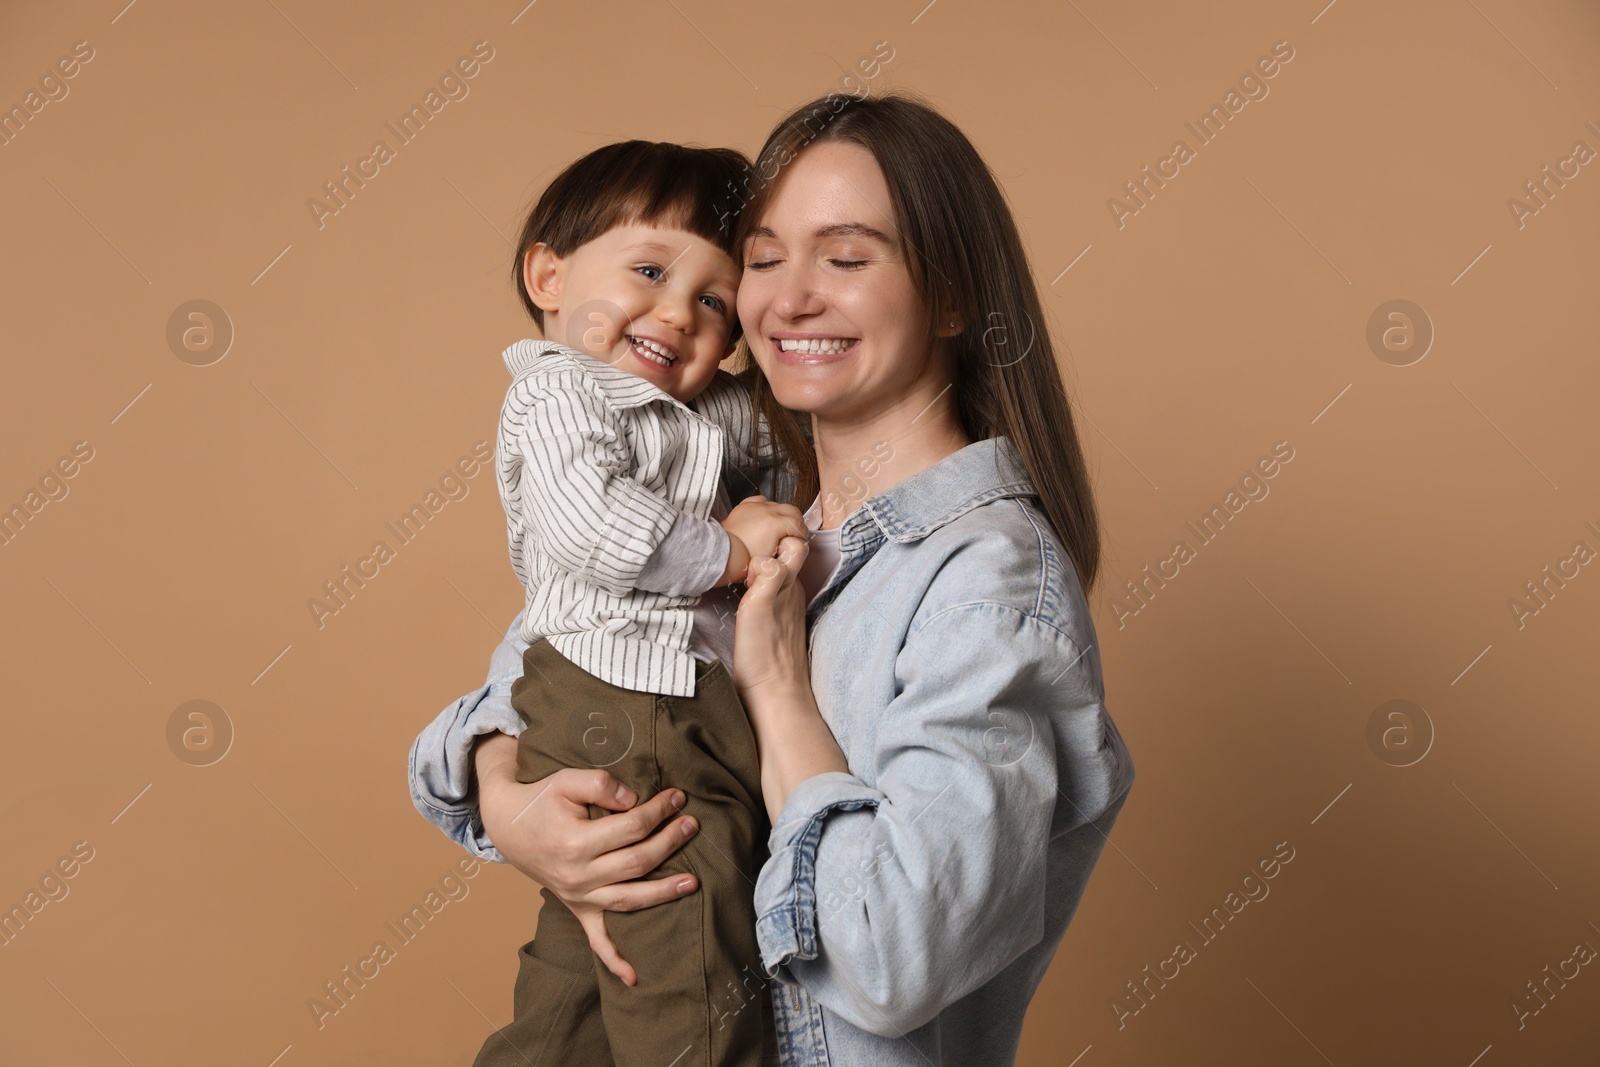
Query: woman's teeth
[[653, 352], [816, 346]]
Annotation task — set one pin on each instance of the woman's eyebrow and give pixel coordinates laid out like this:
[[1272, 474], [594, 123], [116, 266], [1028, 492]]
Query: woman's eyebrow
[[838, 229], [853, 229]]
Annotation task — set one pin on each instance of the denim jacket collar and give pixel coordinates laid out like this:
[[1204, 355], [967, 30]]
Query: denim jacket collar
[[970, 477], [912, 509]]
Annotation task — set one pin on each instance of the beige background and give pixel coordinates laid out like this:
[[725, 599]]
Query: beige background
[[1229, 314]]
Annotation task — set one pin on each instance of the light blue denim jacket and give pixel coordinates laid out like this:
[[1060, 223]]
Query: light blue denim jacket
[[911, 906]]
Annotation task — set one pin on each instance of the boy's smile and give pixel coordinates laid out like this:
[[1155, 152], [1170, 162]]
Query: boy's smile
[[655, 301]]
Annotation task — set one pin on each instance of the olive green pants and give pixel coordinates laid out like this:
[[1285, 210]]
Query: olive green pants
[[701, 999]]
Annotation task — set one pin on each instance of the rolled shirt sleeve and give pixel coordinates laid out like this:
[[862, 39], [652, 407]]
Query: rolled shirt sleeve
[[892, 900], [443, 787], [689, 560]]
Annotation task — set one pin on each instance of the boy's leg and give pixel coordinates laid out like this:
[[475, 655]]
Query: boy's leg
[[698, 1000], [556, 1018], [697, 1003]]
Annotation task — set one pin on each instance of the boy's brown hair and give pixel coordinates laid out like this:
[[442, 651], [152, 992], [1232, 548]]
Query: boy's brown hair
[[649, 182]]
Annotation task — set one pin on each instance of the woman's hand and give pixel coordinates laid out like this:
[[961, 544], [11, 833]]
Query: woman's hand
[[773, 676], [769, 643], [543, 829]]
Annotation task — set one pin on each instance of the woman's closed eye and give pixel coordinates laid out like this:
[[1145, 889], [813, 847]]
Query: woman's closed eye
[[842, 264]]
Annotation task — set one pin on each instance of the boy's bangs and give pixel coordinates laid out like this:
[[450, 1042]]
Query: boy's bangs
[[681, 204]]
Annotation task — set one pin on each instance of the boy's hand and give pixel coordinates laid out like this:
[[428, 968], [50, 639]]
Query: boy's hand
[[754, 528], [738, 561]]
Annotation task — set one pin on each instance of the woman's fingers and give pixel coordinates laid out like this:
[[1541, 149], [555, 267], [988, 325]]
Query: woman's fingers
[[631, 827], [592, 787], [768, 577], [765, 579], [625, 845], [624, 864], [792, 552], [600, 943], [636, 896]]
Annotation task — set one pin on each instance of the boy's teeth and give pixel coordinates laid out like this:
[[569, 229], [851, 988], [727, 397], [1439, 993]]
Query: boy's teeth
[[816, 346], [650, 348]]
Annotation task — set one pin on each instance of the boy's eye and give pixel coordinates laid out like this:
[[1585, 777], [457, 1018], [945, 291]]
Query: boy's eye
[[713, 302], [651, 271]]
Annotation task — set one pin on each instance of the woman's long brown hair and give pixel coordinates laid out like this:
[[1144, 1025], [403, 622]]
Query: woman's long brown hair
[[966, 260]]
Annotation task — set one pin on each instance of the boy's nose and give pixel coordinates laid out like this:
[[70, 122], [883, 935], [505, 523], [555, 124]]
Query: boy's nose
[[676, 312]]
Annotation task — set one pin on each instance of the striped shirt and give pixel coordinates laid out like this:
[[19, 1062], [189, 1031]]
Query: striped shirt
[[597, 469]]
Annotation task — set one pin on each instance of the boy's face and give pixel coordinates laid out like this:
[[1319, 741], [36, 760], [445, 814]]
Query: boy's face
[[655, 301]]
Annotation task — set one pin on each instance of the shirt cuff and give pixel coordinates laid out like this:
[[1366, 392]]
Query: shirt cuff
[[688, 561], [786, 889]]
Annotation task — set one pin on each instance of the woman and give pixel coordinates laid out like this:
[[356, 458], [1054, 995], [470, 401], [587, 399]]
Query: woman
[[942, 776]]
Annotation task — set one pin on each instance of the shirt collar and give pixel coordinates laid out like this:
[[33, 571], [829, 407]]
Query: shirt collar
[[622, 390], [968, 478]]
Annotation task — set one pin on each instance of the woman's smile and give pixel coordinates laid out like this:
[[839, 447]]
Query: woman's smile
[[806, 349]]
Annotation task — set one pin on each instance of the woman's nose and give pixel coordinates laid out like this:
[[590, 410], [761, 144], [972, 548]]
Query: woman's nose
[[796, 295]]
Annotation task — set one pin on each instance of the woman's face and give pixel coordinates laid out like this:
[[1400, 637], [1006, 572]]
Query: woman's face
[[827, 301]]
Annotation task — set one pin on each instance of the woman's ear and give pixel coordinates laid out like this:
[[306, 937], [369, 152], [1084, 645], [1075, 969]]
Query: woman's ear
[[542, 273], [949, 324]]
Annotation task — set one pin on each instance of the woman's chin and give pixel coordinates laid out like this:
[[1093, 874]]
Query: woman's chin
[[808, 397], [800, 387]]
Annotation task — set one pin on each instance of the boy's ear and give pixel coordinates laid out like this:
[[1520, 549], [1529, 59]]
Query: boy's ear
[[542, 273]]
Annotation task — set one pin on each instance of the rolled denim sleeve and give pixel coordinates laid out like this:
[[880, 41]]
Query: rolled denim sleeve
[[890, 901], [442, 784]]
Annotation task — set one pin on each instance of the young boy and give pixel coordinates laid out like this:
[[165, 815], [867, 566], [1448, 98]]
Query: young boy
[[613, 442]]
